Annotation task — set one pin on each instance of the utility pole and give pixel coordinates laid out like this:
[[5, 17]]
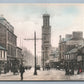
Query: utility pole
[[35, 70]]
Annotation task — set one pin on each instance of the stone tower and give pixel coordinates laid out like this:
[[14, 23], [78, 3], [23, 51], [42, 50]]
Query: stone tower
[[46, 38]]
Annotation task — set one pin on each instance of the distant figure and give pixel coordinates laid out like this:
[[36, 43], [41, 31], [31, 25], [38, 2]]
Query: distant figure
[[66, 69], [79, 70], [22, 70]]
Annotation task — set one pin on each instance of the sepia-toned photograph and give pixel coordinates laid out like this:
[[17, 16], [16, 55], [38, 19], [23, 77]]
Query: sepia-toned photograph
[[41, 42]]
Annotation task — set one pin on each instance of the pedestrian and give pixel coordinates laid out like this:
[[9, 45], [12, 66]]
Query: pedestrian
[[80, 70], [21, 71], [66, 69]]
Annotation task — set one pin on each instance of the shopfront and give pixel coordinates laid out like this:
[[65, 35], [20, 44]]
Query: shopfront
[[3, 60]]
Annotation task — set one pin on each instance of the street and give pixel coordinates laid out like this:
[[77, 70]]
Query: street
[[42, 75]]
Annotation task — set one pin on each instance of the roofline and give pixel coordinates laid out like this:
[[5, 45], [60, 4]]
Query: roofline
[[7, 22], [9, 31], [12, 33], [19, 47]]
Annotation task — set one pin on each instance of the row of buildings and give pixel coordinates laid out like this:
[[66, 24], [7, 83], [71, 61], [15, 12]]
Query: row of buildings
[[70, 49], [9, 52]]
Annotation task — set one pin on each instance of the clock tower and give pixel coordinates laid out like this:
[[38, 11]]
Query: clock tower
[[46, 38]]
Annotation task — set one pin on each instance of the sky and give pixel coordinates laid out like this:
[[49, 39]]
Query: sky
[[41, 1], [27, 18]]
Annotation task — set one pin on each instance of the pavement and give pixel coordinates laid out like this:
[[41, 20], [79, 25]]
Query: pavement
[[52, 75]]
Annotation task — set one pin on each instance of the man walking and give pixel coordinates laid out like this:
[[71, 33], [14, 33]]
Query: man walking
[[21, 71]]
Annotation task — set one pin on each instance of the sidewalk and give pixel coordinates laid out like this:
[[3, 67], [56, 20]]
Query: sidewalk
[[75, 76], [43, 75], [78, 76], [9, 76]]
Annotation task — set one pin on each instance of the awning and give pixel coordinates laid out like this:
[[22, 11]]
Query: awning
[[2, 48]]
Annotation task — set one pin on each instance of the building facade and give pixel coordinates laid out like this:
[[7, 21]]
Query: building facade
[[8, 39], [69, 48], [46, 38], [53, 59], [70, 42], [19, 54]]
